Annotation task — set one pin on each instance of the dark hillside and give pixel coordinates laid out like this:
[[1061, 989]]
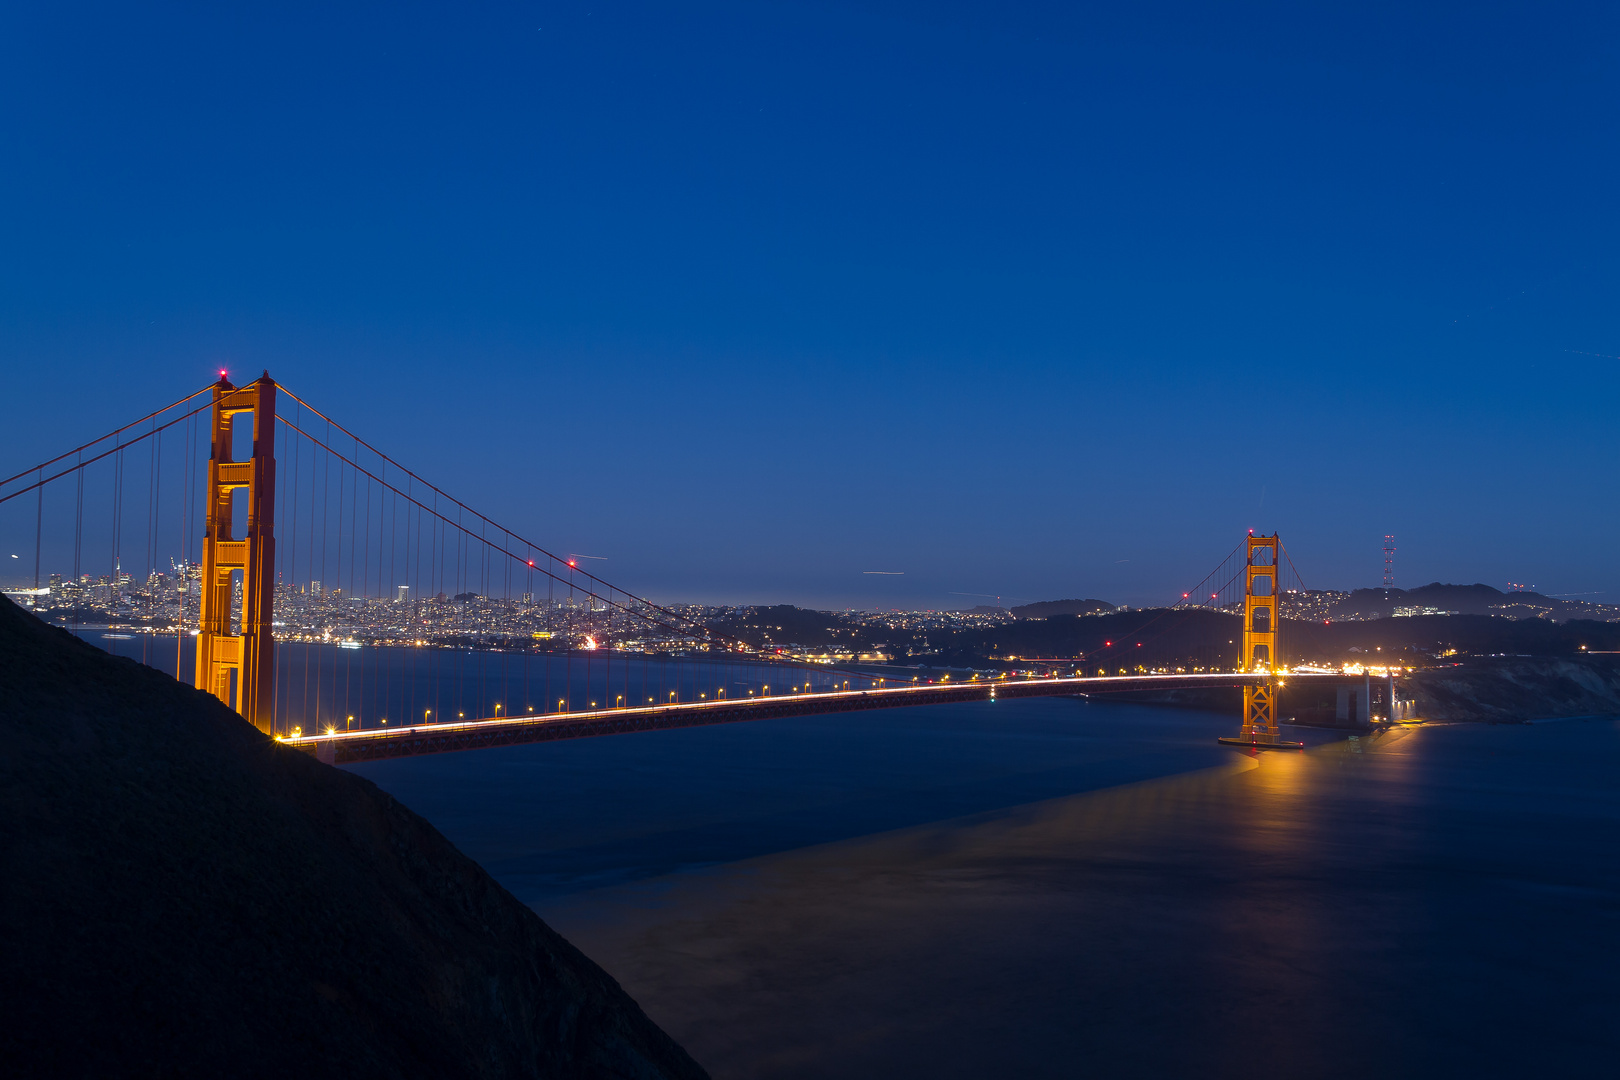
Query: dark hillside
[[180, 896], [1198, 638], [1437, 635], [1111, 642], [1468, 600], [1048, 608], [784, 624]]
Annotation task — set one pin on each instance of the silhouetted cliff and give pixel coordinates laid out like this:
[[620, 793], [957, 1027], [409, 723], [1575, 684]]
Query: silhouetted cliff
[[181, 896]]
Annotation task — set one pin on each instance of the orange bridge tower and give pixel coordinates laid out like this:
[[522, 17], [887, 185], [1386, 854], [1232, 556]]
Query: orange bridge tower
[[235, 646], [1259, 656]]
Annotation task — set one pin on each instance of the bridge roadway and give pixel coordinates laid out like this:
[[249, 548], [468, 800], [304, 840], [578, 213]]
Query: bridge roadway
[[374, 744]]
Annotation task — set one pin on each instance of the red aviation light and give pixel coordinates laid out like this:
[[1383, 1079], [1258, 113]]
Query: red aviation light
[[572, 563]]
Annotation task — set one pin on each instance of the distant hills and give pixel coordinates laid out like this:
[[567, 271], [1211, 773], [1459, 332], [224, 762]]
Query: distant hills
[[1435, 621], [1438, 599], [1048, 608], [1432, 599], [1198, 638]]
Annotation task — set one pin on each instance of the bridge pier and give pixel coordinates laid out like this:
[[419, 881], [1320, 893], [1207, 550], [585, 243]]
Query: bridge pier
[[1345, 711], [1355, 703]]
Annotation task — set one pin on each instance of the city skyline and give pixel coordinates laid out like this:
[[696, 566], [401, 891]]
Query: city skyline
[[18, 569]]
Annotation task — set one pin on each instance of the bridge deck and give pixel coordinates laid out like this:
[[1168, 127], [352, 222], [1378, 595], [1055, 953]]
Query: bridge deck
[[374, 744]]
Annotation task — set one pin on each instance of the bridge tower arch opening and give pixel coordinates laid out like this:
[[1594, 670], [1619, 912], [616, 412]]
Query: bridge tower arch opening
[[236, 646]]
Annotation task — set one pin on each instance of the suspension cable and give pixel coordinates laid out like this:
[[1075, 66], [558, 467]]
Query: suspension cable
[[549, 554], [1199, 588], [104, 438], [77, 466], [512, 554]]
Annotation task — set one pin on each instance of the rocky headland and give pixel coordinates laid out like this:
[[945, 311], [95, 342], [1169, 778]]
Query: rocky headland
[[1517, 689]]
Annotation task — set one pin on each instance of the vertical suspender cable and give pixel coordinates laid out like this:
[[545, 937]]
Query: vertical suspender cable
[[78, 527], [393, 548], [278, 592], [346, 598], [365, 601], [185, 569], [292, 552], [151, 495], [326, 585], [310, 651], [39, 523], [117, 531]]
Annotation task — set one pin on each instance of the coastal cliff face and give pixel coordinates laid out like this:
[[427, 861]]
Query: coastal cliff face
[[181, 896], [1515, 689]]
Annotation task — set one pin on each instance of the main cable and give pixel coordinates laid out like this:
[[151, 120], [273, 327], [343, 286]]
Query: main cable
[[104, 438], [549, 554]]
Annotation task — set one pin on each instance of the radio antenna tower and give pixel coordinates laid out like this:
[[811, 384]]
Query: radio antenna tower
[[1389, 562]]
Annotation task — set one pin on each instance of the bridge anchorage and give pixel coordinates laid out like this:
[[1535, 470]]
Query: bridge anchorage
[[1259, 655]]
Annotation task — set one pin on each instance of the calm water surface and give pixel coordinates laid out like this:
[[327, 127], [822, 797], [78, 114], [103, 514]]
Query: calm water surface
[[1058, 888], [551, 819], [1054, 889]]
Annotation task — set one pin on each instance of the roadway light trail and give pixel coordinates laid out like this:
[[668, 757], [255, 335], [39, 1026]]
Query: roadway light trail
[[373, 744]]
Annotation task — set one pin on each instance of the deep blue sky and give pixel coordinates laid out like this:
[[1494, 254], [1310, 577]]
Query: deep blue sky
[[1019, 300]]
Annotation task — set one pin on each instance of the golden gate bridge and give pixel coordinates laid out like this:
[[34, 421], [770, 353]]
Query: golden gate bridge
[[373, 551]]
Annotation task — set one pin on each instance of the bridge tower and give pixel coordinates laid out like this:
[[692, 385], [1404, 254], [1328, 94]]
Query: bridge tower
[[1260, 618], [239, 667], [1260, 638]]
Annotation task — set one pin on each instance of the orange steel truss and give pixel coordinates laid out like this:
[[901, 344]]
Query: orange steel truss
[[238, 667], [1260, 589]]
